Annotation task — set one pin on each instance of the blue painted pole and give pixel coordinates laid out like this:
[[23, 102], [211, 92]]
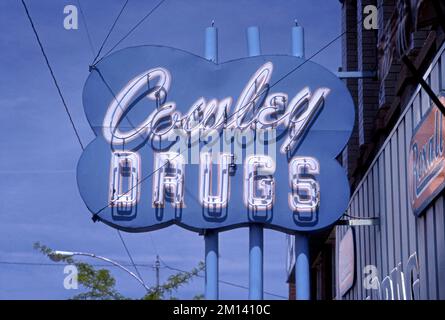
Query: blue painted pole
[[302, 271], [256, 262], [256, 243], [211, 44], [253, 41], [298, 41], [211, 272], [211, 237]]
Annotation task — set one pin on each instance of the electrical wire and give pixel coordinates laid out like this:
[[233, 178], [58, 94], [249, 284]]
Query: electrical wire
[[223, 281], [129, 255], [92, 47], [3, 262], [59, 91], [69, 114], [90, 41], [109, 32], [42, 264], [153, 243], [132, 29]]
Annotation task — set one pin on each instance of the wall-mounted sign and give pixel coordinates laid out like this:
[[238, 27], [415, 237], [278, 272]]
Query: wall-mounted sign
[[346, 262], [426, 162], [183, 140]]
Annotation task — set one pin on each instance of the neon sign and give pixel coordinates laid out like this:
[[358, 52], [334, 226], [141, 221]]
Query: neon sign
[[183, 140], [292, 117]]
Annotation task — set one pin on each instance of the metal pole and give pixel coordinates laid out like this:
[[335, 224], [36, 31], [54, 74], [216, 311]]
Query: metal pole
[[211, 237], [157, 267], [253, 41], [255, 230], [256, 262], [211, 44], [302, 270], [211, 251], [298, 40]]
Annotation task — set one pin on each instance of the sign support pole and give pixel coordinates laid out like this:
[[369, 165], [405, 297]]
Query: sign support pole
[[256, 234], [302, 269], [211, 44], [298, 40], [256, 262], [211, 237]]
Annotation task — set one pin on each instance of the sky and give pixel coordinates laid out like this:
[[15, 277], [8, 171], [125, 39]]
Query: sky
[[39, 151]]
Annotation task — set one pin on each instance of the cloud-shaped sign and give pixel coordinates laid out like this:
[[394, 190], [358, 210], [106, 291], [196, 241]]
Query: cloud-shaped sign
[[183, 140]]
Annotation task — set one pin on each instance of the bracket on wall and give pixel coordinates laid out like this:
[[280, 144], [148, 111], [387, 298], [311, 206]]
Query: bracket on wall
[[356, 74], [359, 222]]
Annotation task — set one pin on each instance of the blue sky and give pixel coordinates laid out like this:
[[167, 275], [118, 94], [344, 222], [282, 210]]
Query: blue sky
[[39, 151]]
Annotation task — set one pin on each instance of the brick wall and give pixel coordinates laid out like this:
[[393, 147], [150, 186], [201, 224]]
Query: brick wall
[[349, 63], [388, 84], [368, 89]]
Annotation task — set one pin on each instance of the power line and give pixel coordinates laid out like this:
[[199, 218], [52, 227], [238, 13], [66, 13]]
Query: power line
[[132, 29], [86, 27], [43, 264], [110, 31], [68, 112], [92, 47], [223, 281], [59, 91], [129, 255], [153, 243]]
